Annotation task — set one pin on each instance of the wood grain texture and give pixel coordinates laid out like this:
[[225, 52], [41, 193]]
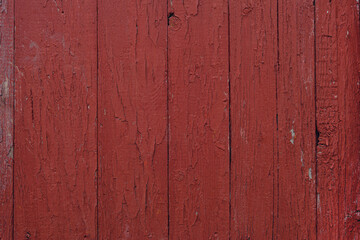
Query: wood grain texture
[[296, 195], [198, 119], [337, 77], [327, 117], [132, 120], [173, 119], [55, 119], [253, 60], [348, 31], [6, 117]]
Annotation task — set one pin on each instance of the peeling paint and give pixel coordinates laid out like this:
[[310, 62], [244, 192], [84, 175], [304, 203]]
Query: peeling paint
[[292, 140]]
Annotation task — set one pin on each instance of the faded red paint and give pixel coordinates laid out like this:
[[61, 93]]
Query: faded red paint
[[55, 120], [338, 108], [180, 119], [296, 164], [6, 117], [198, 119], [349, 102], [327, 116], [253, 58], [132, 110]]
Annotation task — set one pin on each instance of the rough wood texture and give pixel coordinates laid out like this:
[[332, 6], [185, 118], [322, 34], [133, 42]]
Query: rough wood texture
[[132, 120], [296, 213], [6, 117], [337, 64], [55, 119], [327, 117], [349, 104], [173, 119], [198, 119], [253, 59]]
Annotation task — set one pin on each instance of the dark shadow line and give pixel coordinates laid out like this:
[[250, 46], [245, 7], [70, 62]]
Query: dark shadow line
[[97, 119], [229, 86], [167, 120], [316, 129], [13, 143]]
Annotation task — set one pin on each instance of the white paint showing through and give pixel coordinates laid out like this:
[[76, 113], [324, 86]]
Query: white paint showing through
[[302, 158], [292, 140]]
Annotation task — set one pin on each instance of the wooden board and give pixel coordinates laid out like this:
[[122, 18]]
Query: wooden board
[[133, 202], [337, 76], [253, 64], [198, 119], [327, 117], [349, 105], [296, 213], [55, 119], [6, 117]]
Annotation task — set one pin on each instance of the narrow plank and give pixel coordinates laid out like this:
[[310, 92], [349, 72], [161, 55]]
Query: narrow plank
[[253, 60], [349, 104], [6, 117], [198, 119], [296, 116], [55, 119], [132, 120], [327, 119]]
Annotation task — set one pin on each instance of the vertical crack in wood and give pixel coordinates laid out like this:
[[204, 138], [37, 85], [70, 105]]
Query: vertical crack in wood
[[229, 86], [13, 130], [167, 121], [316, 129], [276, 160], [97, 120]]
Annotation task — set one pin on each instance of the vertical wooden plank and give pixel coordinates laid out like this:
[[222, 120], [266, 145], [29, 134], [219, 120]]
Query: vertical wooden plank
[[337, 77], [55, 119], [253, 60], [296, 116], [132, 120], [198, 119], [349, 105], [327, 119], [6, 117]]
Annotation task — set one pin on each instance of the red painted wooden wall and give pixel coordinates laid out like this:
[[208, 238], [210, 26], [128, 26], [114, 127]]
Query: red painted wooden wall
[[179, 119]]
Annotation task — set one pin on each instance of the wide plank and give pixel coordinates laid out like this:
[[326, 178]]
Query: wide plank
[[253, 76], [327, 119], [349, 106], [55, 119], [296, 121], [133, 200], [198, 119]]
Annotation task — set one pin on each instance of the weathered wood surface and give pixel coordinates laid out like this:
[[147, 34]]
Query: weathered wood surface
[[327, 117], [6, 117], [55, 120], [337, 114], [133, 200], [253, 64], [296, 169], [179, 119], [198, 119], [349, 104]]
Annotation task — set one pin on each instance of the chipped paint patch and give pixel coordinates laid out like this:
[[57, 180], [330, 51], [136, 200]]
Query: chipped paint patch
[[310, 174], [292, 140], [318, 202], [243, 134], [5, 89], [302, 158]]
